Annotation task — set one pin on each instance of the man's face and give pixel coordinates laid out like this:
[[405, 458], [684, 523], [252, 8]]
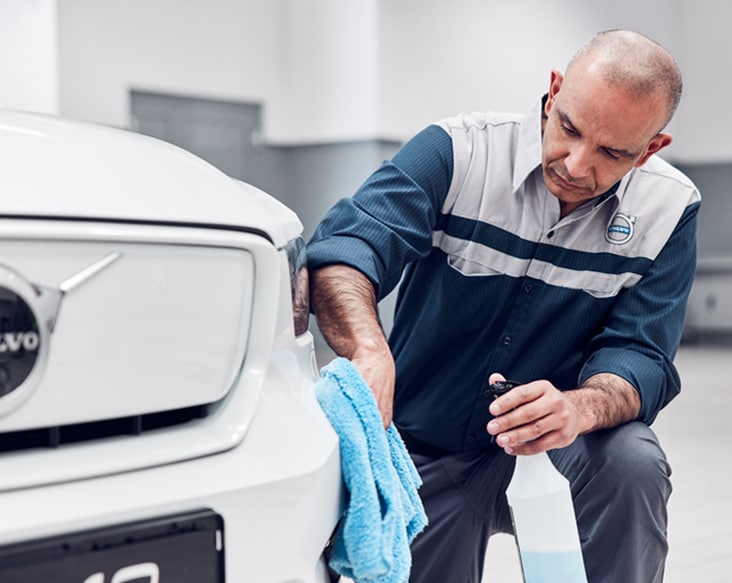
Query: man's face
[[594, 134]]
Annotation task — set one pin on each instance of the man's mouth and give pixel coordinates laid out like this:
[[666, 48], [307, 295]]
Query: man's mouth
[[565, 184]]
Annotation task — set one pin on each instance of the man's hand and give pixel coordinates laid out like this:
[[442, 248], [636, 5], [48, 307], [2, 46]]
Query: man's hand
[[538, 417], [533, 417], [379, 372]]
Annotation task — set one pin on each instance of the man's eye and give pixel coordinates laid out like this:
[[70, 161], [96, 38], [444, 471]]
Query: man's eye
[[612, 155], [569, 131]]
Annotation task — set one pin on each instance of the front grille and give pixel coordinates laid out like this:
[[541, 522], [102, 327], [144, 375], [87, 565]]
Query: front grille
[[58, 435]]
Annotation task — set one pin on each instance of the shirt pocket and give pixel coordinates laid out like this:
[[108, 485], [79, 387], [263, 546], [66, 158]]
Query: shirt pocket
[[600, 285], [486, 262]]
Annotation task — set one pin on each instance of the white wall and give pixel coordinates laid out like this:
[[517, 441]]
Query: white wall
[[28, 66], [329, 78], [310, 62], [333, 70], [228, 49], [437, 59], [705, 115]]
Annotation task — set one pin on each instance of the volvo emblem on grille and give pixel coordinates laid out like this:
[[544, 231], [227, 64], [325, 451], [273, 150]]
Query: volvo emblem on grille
[[20, 340], [28, 315]]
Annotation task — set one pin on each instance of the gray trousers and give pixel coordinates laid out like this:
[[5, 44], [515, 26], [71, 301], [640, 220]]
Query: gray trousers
[[620, 481]]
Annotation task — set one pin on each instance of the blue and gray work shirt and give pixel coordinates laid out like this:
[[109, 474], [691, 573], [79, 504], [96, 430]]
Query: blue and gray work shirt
[[493, 280]]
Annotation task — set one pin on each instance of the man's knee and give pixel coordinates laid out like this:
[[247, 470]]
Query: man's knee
[[620, 483], [625, 460], [633, 453]]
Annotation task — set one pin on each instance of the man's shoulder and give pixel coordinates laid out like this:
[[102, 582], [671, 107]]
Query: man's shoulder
[[657, 170], [479, 120]]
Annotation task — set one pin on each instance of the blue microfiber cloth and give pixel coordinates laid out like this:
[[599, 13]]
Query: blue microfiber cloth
[[383, 512]]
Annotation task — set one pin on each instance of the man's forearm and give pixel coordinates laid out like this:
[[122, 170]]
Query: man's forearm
[[344, 302], [605, 400]]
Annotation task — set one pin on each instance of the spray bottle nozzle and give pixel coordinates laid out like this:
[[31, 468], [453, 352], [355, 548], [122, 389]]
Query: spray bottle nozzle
[[502, 387]]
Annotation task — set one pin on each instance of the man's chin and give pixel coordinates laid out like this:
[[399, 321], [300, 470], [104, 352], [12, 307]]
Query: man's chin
[[570, 199]]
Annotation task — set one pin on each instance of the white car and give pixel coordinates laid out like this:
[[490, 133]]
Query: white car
[[158, 421]]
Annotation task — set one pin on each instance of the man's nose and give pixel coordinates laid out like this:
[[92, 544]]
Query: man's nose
[[578, 163]]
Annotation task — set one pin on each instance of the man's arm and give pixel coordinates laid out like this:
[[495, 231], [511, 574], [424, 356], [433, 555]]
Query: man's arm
[[344, 302], [642, 333], [359, 250]]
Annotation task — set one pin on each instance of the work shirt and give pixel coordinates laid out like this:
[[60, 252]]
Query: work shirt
[[493, 280]]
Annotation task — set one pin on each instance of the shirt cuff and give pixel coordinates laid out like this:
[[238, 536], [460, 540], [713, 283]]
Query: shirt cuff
[[656, 384], [345, 250]]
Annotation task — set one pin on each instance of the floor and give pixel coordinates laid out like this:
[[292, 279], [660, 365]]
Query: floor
[[696, 431]]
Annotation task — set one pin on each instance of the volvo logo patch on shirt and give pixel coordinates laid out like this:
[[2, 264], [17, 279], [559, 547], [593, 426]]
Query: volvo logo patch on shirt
[[620, 229]]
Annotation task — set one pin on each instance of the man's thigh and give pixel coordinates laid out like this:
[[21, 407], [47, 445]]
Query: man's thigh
[[464, 497]]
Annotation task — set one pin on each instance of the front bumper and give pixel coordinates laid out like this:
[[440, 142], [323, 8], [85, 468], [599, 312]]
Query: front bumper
[[278, 492]]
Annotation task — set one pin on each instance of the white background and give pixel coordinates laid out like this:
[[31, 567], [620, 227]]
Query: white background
[[335, 70]]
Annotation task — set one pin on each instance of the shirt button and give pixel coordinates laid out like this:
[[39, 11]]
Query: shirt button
[[471, 438], [528, 287], [506, 340]]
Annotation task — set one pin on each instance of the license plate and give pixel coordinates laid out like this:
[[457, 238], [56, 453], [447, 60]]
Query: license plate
[[184, 548]]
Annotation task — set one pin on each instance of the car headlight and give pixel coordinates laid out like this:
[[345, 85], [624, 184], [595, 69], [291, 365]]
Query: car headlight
[[299, 284]]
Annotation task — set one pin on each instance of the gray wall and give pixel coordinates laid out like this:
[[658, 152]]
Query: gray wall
[[308, 178], [715, 217], [311, 178], [709, 315]]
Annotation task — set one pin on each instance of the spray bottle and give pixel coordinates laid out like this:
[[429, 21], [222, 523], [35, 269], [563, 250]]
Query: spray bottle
[[543, 517]]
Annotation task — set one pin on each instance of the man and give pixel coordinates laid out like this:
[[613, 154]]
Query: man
[[554, 249]]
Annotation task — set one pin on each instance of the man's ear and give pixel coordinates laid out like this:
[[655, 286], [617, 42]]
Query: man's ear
[[657, 144], [555, 83]]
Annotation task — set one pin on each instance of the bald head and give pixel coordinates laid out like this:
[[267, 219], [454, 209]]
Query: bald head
[[634, 62]]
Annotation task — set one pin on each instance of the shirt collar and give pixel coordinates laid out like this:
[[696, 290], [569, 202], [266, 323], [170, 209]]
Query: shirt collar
[[528, 152]]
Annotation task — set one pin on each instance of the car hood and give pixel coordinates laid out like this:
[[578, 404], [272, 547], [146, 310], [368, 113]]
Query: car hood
[[60, 168]]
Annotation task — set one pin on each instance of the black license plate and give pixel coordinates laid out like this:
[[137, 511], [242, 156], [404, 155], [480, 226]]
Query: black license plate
[[184, 548]]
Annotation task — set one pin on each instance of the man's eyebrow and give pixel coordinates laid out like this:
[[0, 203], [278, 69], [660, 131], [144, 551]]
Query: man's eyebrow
[[616, 151]]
